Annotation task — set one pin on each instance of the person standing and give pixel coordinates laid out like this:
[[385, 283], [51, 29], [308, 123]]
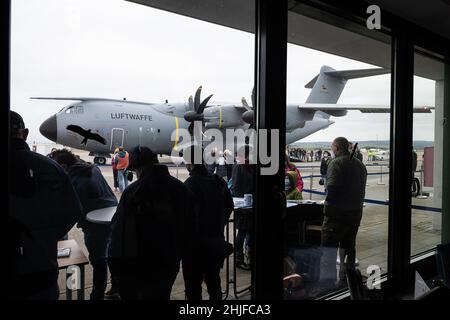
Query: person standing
[[243, 183], [343, 207], [121, 160], [114, 169], [94, 193], [324, 167], [214, 205], [221, 168], [43, 207], [152, 230]]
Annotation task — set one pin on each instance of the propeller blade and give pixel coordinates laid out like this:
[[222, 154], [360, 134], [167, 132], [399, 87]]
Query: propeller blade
[[197, 98], [245, 104], [191, 103], [253, 98], [202, 106]]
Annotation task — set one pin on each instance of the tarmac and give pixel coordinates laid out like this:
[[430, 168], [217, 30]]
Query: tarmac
[[371, 242]]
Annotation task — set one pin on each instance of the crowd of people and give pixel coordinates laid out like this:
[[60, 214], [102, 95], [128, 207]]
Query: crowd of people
[[303, 155], [160, 222]]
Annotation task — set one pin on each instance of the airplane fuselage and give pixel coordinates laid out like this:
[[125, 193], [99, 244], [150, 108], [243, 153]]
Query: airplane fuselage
[[128, 124]]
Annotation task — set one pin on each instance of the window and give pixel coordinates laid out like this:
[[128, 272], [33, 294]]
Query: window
[[426, 211], [326, 100]]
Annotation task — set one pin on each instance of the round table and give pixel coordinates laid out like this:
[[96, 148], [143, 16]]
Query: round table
[[102, 216]]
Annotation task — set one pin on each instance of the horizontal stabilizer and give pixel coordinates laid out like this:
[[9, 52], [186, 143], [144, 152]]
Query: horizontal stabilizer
[[347, 74], [353, 74], [363, 108]]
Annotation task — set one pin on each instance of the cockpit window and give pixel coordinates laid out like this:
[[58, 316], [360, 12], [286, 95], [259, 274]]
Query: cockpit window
[[80, 109], [70, 109], [75, 109]]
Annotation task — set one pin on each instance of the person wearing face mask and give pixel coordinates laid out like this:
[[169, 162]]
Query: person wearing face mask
[[290, 186], [346, 184], [296, 177]]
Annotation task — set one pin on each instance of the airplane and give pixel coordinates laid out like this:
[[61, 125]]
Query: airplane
[[100, 125]]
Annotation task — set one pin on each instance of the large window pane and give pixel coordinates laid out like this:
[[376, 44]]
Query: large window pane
[[426, 211], [129, 52], [325, 101]]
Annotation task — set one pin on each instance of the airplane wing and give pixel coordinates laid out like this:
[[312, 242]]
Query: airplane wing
[[363, 108], [88, 99]]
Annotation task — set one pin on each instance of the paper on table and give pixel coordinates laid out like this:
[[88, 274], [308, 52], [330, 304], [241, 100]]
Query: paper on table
[[63, 252]]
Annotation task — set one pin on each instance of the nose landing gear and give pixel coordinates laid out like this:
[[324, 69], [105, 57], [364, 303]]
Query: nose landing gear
[[100, 160]]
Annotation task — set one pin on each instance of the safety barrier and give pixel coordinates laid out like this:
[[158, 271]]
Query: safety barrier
[[382, 202]]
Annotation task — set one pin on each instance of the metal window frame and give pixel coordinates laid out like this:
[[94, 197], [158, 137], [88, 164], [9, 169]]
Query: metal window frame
[[268, 260]]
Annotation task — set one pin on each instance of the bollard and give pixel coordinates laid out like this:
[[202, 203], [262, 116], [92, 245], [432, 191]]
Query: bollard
[[381, 176], [311, 183], [177, 170]]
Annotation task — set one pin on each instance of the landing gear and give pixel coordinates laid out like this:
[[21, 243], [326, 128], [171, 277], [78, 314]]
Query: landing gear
[[100, 160]]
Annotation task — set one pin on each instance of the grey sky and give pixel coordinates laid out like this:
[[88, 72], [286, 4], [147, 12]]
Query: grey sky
[[116, 49]]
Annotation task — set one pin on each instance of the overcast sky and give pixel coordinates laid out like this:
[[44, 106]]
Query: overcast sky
[[116, 49]]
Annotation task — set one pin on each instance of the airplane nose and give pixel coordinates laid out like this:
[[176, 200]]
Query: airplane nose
[[48, 128]]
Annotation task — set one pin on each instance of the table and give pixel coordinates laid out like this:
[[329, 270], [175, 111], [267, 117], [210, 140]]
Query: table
[[239, 203], [76, 258], [241, 208], [101, 216]]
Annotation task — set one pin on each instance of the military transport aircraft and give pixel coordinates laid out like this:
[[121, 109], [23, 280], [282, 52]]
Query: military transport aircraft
[[100, 125]]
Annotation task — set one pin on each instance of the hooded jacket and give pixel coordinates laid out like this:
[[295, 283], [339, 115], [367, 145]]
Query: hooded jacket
[[299, 180], [292, 193], [121, 160], [91, 187]]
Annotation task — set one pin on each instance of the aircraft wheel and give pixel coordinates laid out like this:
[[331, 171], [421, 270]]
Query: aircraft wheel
[[100, 160]]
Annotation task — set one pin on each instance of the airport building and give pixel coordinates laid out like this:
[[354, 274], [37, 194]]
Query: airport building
[[402, 244]]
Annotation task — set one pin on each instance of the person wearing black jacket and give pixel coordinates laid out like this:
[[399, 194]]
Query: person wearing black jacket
[[94, 193], [214, 205], [242, 179], [152, 229], [43, 207]]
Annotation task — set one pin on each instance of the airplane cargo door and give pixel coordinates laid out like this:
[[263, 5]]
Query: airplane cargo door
[[117, 135]]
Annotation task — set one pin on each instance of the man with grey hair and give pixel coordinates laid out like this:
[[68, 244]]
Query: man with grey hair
[[346, 184]]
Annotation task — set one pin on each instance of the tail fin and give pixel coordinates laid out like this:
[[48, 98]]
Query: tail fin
[[328, 85]]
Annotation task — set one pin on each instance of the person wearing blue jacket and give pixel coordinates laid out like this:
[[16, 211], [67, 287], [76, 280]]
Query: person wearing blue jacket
[[94, 193]]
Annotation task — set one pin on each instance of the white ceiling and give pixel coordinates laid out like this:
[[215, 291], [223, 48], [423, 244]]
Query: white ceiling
[[318, 35]]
